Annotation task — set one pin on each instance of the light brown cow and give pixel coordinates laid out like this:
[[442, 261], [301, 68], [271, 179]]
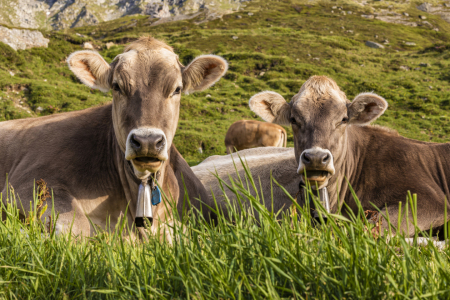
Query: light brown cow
[[95, 159], [245, 134], [334, 142]]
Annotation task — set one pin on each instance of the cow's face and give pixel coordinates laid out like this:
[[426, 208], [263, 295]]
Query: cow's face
[[147, 80], [320, 115]]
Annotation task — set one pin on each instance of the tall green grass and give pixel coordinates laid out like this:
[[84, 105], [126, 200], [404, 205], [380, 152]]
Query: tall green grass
[[251, 253]]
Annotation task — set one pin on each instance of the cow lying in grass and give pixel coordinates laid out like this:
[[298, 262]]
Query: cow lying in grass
[[261, 162], [334, 142], [245, 134], [95, 159]]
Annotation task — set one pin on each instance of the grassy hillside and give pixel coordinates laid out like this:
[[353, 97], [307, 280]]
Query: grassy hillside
[[279, 45]]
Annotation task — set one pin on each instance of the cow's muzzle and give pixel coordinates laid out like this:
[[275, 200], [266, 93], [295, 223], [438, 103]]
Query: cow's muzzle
[[317, 164], [146, 148]]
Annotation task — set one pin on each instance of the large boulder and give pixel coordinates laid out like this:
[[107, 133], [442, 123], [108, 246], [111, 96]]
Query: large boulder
[[22, 39]]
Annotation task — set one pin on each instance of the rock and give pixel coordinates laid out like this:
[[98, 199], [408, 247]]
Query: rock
[[238, 17], [410, 44], [316, 58], [349, 12], [425, 7], [368, 16], [109, 45], [342, 27], [374, 45], [417, 69], [334, 7], [88, 45], [39, 109], [262, 73], [200, 150], [430, 87], [436, 29], [60, 14], [78, 34], [447, 4], [422, 17], [234, 37], [22, 39], [385, 41], [375, 36], [208, 96], [250, 14], [404, 68], [297, 59], [11, 73], [349, 31], [426, 65], [309, 54], [343, 12], [406, 14]]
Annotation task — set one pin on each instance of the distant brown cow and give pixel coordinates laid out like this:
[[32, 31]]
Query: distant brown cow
[[334, 143], [245, 134], [95, 159]]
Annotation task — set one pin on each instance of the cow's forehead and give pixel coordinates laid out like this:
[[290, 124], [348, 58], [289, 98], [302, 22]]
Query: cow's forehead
[[148, 66], [309, 102], [137, 60]]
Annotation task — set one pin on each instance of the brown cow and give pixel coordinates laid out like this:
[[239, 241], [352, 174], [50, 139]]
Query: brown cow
[[334, 142], [245, 134], [95, 159]]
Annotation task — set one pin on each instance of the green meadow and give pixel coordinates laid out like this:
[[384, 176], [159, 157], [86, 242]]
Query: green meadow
[[252, 254]]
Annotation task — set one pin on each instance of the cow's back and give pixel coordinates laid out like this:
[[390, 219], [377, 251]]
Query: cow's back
[[261, 162], [245, 134], [61, 149]]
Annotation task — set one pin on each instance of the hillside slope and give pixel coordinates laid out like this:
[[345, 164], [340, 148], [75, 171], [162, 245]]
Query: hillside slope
[[272, 45]]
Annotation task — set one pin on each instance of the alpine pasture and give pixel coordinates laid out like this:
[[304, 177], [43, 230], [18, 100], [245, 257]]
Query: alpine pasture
[[269, 45]]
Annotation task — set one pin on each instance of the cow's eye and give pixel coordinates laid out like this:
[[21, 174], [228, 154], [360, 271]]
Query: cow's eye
[[177, 91], [116, 87], [345, 120], [293, 122]]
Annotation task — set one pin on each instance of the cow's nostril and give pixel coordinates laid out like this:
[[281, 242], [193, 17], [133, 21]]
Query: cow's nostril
[[326, 159], [306, 158], [134, 143], [160, 144]]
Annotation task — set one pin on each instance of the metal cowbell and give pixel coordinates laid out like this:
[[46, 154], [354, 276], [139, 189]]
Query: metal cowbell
[[144, 205]]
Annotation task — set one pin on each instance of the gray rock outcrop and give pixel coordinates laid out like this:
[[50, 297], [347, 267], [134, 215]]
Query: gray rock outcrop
[[22, 39], [374, 45], [59, 14]]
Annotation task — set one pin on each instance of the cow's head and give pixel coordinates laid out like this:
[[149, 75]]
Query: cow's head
[[320, 116], [147, 80]]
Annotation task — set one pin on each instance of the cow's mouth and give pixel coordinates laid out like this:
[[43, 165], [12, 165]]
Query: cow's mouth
[[316, 178], [146, 159], [147, 162]]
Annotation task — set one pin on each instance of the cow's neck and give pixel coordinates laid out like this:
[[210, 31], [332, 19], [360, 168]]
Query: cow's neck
[[130, 183], [346, 167]]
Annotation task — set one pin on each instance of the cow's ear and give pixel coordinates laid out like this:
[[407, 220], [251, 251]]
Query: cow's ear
[[91, 69], [203, 72], [271, 107], [366, 108]]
